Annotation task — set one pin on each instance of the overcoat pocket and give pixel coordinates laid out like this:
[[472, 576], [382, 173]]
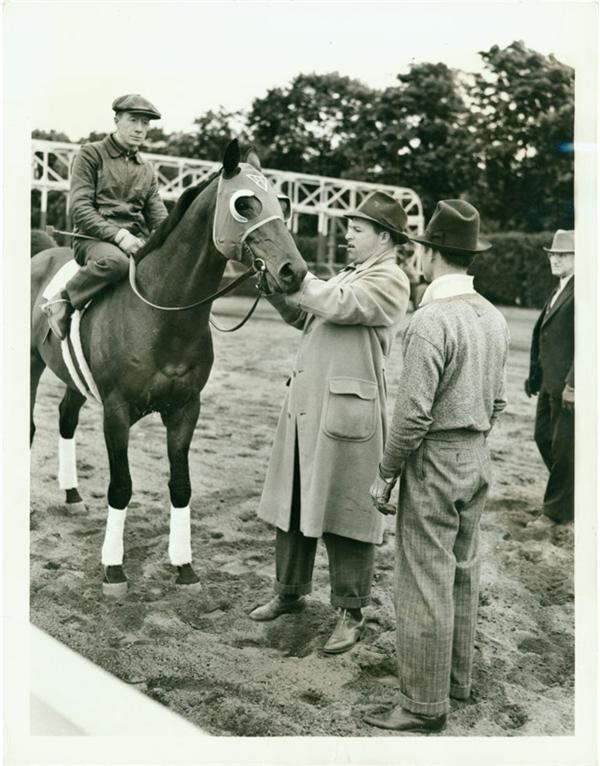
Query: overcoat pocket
[[351, 409]]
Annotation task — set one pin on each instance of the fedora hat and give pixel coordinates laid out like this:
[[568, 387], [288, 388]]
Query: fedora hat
[[563, 242], [133, 102], [383, 210], [454, 226]]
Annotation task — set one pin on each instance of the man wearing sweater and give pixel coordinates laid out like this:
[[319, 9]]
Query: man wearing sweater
[[451, 390]]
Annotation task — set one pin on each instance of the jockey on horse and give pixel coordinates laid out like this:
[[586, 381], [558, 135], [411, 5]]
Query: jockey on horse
[[115, 205]]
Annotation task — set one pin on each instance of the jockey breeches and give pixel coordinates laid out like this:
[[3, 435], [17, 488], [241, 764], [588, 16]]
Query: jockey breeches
[[103, 263]]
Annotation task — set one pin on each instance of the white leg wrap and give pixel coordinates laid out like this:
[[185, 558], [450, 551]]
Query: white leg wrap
[[112, 550], [67, 463], [180, 544]]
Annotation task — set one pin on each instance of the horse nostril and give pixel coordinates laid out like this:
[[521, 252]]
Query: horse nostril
[[286, 272]]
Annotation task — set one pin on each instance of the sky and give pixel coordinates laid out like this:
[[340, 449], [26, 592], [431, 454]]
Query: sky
[[72, 59]]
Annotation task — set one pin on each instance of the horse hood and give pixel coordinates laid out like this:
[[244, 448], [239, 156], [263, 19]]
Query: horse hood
[[230, 227]]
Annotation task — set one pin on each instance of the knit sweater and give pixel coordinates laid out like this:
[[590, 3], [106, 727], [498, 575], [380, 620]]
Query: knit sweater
[[454, 373]]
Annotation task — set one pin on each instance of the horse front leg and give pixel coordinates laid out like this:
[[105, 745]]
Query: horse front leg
[[68, 409], [117, 422], [180, 423]]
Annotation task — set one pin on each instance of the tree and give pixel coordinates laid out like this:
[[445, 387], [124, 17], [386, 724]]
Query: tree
[[310, 125], [419, 137], [523, 111], [214, 129]]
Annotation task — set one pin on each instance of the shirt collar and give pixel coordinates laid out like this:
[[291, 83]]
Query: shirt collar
[[565, 281], [447, 286], [114, 149]]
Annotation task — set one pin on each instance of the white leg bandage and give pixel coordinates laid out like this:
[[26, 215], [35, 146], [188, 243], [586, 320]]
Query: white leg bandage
[[180, 544], [67, 463], [112, 550]]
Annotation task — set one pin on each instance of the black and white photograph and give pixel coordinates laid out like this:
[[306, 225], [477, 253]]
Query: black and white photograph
[[299, 387]]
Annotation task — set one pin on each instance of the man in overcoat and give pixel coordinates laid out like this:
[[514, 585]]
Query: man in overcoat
[[451, 390], [114, 203], [552, 377], [333, 422]]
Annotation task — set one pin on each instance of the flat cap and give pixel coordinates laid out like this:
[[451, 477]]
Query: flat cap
[[133, 102]]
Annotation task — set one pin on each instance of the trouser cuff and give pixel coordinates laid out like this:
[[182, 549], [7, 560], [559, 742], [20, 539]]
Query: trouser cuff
[[424, 708], [292, 590], [350, 602], [460, 692]]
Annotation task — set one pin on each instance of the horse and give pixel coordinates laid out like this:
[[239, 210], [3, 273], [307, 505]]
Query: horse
[[40, 240], [149, 353]]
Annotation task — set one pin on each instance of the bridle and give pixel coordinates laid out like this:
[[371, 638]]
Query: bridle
[[258, 268]]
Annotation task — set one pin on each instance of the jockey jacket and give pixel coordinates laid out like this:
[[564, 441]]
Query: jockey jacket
[[111, 189]]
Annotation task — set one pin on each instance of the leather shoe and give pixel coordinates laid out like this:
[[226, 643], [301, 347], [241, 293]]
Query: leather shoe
[[58, 311], [276, 606], [400, 719], [345, 634]]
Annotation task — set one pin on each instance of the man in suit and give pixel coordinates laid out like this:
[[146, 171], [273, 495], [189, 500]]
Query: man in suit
[[451, 390], [333, 422], [552, 377]]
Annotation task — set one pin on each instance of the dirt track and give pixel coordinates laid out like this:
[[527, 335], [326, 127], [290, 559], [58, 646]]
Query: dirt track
[[200, 654]]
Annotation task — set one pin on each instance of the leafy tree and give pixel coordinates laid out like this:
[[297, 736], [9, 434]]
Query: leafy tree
[[310, 125], [213, 131], [420, 137], [523, 111]]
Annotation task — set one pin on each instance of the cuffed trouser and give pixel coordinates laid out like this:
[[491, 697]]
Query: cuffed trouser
[[102, 264], [442, 495], [555, 439], [351, 562]]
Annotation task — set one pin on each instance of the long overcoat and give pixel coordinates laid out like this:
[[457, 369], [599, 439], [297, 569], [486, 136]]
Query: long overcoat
[[336, 400]]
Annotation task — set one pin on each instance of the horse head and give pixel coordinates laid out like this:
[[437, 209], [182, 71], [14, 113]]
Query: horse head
[[249, 221]]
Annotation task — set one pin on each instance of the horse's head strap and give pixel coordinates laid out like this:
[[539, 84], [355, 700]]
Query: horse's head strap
[[230, 228]]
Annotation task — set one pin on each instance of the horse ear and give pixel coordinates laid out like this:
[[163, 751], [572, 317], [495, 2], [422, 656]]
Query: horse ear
[[252, 158], [231, 158]]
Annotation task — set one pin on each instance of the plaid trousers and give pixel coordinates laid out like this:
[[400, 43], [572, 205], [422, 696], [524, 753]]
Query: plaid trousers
[[442, 495]]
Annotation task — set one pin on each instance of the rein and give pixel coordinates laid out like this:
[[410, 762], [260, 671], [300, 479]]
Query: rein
[[258, 268]]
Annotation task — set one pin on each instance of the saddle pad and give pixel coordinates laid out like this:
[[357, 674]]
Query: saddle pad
[[87, 385], [60, 279]]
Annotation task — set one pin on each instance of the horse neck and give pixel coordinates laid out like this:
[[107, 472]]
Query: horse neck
[[186, 268]]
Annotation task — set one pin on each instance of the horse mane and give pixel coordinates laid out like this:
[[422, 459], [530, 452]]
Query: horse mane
[[163, 230]]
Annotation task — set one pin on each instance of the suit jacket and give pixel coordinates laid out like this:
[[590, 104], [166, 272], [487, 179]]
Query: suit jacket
[[553, 345]]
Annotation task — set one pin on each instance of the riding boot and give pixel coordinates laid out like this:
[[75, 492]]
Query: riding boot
[[58, 311]]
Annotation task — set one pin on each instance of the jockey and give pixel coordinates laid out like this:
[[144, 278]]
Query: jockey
[[115, 204]]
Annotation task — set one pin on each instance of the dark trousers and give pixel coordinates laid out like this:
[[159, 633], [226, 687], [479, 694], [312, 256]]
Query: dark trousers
[[555, 438], [351, 562], [103, 263]]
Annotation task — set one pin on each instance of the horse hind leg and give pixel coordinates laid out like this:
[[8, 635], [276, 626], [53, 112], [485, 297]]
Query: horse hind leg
[[37, 367], [68, 409], [180, 423]]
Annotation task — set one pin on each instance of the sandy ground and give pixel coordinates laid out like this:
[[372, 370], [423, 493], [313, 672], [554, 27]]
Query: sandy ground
[[200, 655]]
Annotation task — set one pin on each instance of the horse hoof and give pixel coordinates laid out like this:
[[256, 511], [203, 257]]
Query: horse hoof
[[114, 589], [114, 583], [187, 578], [72, 496]]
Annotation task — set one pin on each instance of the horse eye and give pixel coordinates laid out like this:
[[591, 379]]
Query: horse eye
[[244, 206]]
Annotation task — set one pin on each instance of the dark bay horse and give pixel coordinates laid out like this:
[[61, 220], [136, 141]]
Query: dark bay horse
[[149, 351]]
